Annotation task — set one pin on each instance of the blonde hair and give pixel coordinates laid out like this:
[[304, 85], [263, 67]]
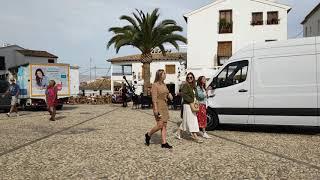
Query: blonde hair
[[52, 83], [159, 76]]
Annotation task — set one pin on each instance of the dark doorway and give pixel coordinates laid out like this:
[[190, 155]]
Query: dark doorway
[[172, 88]]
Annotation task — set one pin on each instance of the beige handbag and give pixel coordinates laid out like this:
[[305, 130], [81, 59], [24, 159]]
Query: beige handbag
[[194, 106]]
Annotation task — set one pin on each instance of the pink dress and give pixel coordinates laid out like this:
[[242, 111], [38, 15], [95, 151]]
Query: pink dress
[[52, 97]]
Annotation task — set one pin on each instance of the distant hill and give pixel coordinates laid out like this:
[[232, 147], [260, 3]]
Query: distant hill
[[86, 78]]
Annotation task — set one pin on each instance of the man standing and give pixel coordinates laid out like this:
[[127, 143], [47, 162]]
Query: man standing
[[13, 91], [124, 95]]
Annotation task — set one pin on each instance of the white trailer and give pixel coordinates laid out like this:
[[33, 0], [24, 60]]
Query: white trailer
[[33, 80]]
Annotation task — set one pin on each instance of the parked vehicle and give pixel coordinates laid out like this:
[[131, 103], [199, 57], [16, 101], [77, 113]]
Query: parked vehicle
[[5, 102], [273, 83], [117, 97], [33, 79]]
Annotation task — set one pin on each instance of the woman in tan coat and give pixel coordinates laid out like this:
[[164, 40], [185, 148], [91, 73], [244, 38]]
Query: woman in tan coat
[[160, 95]]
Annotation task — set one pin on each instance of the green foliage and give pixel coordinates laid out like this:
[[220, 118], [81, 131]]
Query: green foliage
[[146, 33]]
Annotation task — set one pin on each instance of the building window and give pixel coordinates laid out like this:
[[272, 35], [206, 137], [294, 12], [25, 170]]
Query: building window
[[121, 70], [310, 29], [50, 60], [224, 52], [2, 63], [170, 69], [225, 21], [257, 18], [273, 18]]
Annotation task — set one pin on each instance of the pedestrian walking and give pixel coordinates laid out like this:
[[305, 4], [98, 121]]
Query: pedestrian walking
[[51, 96], [201, 96], [160, 95], [13, 91], [124, 95], [189, 120]]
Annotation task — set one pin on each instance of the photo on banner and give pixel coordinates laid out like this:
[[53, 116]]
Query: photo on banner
[[42, 74]]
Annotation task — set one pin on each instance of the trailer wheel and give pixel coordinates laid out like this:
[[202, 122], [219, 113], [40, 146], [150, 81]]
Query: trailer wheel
[[212, 120], [23, 105]]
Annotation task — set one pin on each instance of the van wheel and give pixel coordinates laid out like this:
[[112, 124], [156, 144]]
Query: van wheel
[[212, 120]]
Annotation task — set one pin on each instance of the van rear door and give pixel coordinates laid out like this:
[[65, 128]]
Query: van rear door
[[232, 93], [318, 75]]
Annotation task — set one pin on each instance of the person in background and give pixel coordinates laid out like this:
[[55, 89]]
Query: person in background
[[201, 96], [160, 95], [124, 95], [189, 121], [13, 91], [51, 96]]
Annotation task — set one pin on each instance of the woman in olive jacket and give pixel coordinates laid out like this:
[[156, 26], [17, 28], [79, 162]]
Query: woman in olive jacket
[[189, 120]]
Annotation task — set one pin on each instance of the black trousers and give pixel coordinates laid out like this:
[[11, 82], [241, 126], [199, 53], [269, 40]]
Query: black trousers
[[124, 103]]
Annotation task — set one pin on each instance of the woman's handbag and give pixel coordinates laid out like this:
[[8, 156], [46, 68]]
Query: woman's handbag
[[194, 106]]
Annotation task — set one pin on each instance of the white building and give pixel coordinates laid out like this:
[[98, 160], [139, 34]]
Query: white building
[[130, 66], [100, 86], [311, 23], [13, 56], [218, 30]]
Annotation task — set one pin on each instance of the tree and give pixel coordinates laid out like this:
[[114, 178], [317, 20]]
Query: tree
[[146, 33]]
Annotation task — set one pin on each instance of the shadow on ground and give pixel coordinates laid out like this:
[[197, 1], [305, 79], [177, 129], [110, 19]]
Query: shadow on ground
[[69, 107]]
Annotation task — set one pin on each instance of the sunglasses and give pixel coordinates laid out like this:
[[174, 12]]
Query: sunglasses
[[190, 77]]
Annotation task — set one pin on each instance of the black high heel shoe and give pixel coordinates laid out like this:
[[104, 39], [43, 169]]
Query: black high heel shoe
[[147, 139], [166, 145]]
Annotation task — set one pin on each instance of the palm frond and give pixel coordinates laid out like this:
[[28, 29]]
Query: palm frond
[[130, 20], [145, 32]]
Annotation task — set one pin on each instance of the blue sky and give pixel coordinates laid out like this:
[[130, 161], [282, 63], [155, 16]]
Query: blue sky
[[77, 30]]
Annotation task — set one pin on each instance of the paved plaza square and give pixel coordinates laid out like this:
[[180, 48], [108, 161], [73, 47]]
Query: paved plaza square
[[107, 142]]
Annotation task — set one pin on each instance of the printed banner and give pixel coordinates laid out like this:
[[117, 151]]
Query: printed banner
[[23, 76], [42, 74]]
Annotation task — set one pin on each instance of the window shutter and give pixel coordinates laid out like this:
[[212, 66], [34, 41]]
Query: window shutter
[[224, 49], [170, 69]]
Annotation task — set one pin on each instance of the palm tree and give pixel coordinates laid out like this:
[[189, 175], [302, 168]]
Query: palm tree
[[146, 33]]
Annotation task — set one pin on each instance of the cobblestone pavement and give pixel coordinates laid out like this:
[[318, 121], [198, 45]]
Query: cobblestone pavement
[[107, 142]]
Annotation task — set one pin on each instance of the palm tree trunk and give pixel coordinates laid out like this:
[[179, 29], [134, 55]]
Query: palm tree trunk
[[146, 78], [146, 59]]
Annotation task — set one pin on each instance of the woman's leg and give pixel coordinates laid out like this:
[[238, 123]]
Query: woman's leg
[[53, 114], [164, 133], [156, 128], [152, 131], [194, 135]]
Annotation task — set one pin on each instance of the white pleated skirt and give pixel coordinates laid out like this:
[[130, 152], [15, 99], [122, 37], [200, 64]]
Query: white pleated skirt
[[189, 120]]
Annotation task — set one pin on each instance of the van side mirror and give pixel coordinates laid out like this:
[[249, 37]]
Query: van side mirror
[[214, 83]]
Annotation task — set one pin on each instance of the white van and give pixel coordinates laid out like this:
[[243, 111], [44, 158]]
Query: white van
[[273, 83]]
